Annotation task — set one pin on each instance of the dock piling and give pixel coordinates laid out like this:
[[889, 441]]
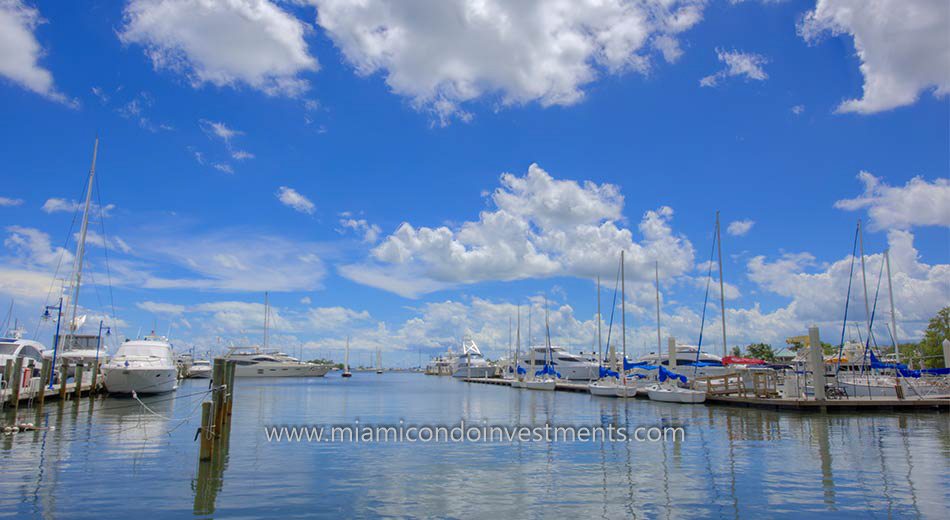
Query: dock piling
[[816, 361], [62, 383], [78, 380], [16, 383], [44, 376], [205, 433]]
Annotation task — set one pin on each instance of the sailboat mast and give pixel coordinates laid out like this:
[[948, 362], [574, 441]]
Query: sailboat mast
[[623, 314], [266, 314], [509, 340], [722, 293], [346, 356], [890, 291], [81, 243], [656, 274], [600, 344], [864, 279], [518, 341]]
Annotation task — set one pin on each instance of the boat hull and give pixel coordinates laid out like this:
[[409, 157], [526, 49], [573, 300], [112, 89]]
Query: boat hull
[[678, 395], [480, 372], [546, 385], [122, 380], [603, 390], [199, 373], [281, 370]]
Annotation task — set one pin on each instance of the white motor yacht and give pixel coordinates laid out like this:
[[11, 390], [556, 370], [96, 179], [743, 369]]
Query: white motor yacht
[[145, 366], [471, 363], [572, 367], [254, 362], [199, 369]]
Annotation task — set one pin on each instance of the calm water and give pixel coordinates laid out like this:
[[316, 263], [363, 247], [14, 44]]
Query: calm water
[[118, 458]]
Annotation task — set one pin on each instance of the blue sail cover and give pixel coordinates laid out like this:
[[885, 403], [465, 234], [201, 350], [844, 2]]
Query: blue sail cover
[[606, 372], [667, 374], [641, 365], [899, 367], [521, 370], [548, 370]]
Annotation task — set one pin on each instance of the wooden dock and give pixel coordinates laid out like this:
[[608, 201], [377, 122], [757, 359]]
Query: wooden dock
[[937, 404]]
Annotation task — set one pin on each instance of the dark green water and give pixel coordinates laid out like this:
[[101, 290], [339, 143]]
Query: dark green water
[[114, 459]]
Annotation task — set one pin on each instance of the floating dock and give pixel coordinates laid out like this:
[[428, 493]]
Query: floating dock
[[937, 403]]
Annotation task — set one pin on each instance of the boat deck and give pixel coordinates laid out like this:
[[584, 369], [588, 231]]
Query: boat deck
[[934, 403]]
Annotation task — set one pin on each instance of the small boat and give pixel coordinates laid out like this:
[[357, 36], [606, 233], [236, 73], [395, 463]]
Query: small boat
[[540, 384], [199, 369], [145, 366], [379, 361], [675, 394], [346, 359], [603, 388]]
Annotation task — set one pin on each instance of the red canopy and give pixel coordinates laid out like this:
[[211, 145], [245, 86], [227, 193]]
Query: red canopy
[[734, 360]]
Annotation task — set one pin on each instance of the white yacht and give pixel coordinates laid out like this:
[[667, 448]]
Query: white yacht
[[145, 366], [199, 369], [572, 367], [442, 365], [254, 362], [471, 363], [686, 358]]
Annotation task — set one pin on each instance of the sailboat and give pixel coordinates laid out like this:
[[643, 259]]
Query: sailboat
[[545, 379], [666, 389], [379, 361], [72, 347], [346, 359], [608, 384], [518, 378]]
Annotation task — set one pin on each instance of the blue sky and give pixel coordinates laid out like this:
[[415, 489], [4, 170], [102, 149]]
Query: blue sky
[[201, 132]]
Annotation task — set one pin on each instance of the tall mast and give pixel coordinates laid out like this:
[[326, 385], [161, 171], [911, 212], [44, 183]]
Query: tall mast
[[890, 291], [722, 294], [547, 334], [656, 273], [81, 244], [864, 279], [518, 344], [623, 313], [509, 340], [346, 356], [600, 345], [266, 315]]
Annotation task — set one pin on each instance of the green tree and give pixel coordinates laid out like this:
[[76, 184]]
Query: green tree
[[761, 351], [736, 351], [931, 348]]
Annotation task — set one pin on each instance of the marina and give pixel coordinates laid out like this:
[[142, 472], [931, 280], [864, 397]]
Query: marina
[[734, 462]]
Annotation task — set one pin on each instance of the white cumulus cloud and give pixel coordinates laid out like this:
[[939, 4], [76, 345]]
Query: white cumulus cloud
[[903, 47], [223, 42], [444, 53], [7, 202], [917, 203], [540, 227], [20, 51]]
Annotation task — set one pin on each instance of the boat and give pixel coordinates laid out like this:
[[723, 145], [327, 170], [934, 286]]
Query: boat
[[442, 365], [670, 393], [546, 377], [571, 366], [346, 360], [255, 362], [145, 366], [471, 363], [610, 383], [379, 361], [199, 369]]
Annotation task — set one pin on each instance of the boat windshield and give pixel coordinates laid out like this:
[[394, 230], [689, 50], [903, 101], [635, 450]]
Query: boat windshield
[[143, 351]]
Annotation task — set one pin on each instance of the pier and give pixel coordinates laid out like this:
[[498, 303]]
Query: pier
[[928, 404]]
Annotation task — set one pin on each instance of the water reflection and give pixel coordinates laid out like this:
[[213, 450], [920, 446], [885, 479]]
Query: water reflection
[[736, 463]]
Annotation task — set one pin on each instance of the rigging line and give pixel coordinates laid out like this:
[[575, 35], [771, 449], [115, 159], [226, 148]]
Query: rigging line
[[867, 345], [102, 228], [702, 322], [59, 265], [847, 302], [613, 307]]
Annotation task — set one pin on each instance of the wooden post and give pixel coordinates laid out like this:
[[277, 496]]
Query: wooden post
[[95, 380], [817, 362], [220, 384], [44, 377], [231, 367], [17, 382], [204, 452], [78, 379], [62, 382], [8, 373]]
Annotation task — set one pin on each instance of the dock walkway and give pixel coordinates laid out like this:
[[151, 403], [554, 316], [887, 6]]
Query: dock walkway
[[936, 403]]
